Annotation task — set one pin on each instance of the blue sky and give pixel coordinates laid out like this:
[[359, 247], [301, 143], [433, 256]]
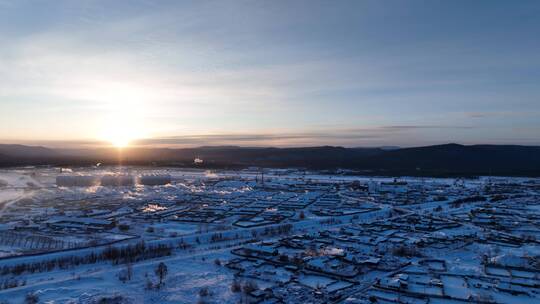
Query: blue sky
[[269, 73]]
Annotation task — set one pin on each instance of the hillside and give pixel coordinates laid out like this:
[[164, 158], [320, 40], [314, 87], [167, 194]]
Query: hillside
[[439, 160]]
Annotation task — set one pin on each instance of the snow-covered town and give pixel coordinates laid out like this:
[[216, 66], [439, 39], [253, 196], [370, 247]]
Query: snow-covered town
[[167, 235]]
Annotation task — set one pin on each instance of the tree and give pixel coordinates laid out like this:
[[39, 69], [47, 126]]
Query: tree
[[123, 227], [126, 274], [161, 272], [235, 286], [31, 298], [204, 292], [149, 284], [250, 286]]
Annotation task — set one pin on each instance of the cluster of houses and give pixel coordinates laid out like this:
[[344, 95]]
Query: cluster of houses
[[430, 281], [356, 240], [410, 258]]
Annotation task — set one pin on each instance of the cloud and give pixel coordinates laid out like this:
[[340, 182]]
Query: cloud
[[251, 68], [343, 136], [413, 127], [403, 135], [502, 114]]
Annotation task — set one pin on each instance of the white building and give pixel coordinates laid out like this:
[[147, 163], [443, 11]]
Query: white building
[[155, 179], [77, 181]]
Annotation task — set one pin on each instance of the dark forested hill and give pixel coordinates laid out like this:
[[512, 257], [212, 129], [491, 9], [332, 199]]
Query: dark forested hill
[[21, 151], [440, 160], [456, 159]]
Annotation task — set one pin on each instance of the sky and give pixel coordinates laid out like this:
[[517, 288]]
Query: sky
[[269, 73]]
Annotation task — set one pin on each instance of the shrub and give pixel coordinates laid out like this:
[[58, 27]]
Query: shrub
[[31, 298], [235, 286], [204, 292], [406, 251], [161, 272], [250, 286], [112, 300], [123, 227]]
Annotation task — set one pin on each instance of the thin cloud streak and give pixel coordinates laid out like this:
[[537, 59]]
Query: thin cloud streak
[[402, 136], [351, 137]]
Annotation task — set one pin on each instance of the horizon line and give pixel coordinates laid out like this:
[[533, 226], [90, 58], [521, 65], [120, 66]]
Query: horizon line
[[383, 147]]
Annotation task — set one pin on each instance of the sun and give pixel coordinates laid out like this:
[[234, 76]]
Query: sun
[[120, 142], [117, 139], [122, 130], [122, 119], [121, 133]]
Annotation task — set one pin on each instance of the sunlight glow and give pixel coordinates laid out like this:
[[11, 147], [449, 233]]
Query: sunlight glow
[[123, 119], [119, 141], [120, 132]]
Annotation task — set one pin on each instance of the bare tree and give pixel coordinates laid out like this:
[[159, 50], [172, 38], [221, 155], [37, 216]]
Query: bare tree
[[129, 271], [31, 298], [250, 286], [126, 274], [235, 286], [204, 292], [161, 272]]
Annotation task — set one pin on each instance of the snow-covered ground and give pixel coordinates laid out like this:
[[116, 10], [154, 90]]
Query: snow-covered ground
[[322, 238]]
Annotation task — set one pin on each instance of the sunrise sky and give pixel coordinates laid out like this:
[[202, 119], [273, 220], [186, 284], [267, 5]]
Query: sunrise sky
[[269, 73]]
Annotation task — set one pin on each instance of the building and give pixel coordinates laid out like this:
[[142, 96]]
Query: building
[[155, 179], [117, 180], [77, 181]]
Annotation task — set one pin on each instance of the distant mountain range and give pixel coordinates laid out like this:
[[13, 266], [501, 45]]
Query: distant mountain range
[[439, 160]]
